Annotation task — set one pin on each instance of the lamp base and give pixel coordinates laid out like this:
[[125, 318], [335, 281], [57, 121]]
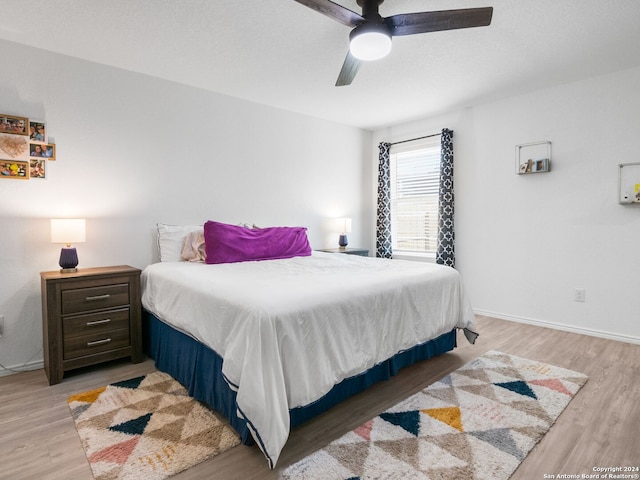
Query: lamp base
[[343, 241], [68, 260]]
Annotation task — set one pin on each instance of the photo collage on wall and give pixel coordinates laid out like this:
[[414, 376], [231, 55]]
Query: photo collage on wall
[[24, 148]]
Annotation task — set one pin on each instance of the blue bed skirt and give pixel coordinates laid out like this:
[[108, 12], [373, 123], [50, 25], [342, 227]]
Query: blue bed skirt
[[199, 369]]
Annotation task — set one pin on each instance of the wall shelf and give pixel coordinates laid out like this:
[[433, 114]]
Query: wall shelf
[[533, 158], [629, 183]]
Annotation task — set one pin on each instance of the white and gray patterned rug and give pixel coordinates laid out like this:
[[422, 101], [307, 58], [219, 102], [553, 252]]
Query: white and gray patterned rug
[[479, 422]]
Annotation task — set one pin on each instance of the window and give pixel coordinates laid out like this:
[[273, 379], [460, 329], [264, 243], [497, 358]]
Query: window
[[415, 181]]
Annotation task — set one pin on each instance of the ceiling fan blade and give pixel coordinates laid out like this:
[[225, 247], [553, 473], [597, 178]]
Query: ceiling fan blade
[[334, 11], [424, 22], [349, 70]]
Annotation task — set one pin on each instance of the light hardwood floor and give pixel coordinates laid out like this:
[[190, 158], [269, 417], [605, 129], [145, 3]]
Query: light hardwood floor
[[599, 428]]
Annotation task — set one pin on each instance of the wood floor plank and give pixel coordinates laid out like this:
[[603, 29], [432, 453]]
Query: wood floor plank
[[38, 440]]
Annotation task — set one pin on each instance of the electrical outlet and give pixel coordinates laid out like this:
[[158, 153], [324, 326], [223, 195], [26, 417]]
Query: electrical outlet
[[579, 295], [1, 325]]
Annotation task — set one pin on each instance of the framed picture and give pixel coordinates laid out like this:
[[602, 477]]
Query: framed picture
[[37, 132], [42, 150], [14, 169], [14, 147], [38, 168], [13, 125]]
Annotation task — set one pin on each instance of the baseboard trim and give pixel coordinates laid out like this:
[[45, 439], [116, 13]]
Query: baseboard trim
[[27, 367], [560, 326]]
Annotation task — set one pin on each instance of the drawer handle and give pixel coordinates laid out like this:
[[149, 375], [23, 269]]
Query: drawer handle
[[97, 297], [98, 342], [98, 322]]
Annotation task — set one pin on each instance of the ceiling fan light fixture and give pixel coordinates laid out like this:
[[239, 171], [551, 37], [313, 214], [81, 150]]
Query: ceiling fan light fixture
[[370, 42]]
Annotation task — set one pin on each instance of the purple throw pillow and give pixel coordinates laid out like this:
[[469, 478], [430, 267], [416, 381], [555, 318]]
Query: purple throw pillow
[[226, 243]]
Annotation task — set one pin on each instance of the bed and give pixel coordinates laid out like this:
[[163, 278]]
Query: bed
[[272, 343]]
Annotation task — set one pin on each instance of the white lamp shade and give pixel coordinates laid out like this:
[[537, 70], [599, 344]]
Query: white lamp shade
[[345, 225], [370, 46], [68, 230]]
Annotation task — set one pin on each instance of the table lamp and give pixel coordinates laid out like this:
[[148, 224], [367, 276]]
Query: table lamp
[[68, 231], [345, 223]]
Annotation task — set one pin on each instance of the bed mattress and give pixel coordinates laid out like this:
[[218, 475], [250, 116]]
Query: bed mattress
[[289, 330]]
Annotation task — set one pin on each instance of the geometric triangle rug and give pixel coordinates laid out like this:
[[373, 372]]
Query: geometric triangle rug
[[478, 422], [146, 428]]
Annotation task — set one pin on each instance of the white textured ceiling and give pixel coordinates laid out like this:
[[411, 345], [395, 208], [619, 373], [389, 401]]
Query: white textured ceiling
[[280, 53]]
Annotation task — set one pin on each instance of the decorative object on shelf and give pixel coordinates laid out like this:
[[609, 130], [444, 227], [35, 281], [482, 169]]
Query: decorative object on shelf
[[628, 183], [68, 231], [345, 227], [24, 148], [533, 157]]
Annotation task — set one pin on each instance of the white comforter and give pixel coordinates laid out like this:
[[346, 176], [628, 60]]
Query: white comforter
[[289, 330]]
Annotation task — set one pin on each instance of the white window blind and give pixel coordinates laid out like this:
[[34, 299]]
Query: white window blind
[[415, 181]]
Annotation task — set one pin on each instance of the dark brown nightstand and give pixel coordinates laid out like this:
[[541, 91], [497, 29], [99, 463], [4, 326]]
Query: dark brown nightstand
[[90, 316], [363, 252]]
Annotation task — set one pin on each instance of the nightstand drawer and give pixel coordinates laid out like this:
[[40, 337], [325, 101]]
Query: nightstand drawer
[[95, 323], [95, 298], [95, 343]]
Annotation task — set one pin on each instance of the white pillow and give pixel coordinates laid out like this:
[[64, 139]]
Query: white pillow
[[171, 240]]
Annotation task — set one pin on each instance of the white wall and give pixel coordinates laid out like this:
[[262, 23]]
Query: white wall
[[525, 242], [133, 150]]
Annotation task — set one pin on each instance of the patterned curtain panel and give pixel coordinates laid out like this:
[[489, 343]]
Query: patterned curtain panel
[[446, 236], [383, 223]]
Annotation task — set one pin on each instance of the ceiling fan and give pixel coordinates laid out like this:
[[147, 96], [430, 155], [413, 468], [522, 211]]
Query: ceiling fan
[[370, 38]]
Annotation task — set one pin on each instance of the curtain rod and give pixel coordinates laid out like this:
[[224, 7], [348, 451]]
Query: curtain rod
[[418, 138]]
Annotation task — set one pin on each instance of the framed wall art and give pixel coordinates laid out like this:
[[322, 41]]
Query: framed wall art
[[42, 150], [24, 148], [37, 168], [37, 132], [13, 125], [14, 169], [14, 147]]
